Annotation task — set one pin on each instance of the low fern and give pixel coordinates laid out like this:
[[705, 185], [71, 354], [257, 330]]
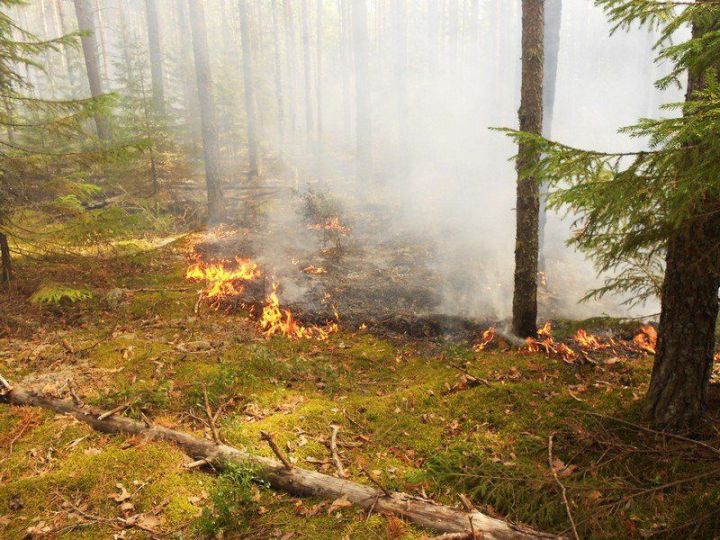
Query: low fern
[[54, 294]]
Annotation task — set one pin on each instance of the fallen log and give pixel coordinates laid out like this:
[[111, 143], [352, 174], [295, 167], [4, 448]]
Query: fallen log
[[295, 480]]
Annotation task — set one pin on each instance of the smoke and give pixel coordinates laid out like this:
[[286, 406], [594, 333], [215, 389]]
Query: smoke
[[439, 173]]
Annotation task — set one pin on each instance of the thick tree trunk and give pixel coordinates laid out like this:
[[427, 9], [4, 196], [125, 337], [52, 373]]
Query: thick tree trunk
[[528, 189], [297, 481], [156, 65], [83, 11], [363, 104], [686, 335], [208, 121], [553, 21], [248, 82], [5, 260]]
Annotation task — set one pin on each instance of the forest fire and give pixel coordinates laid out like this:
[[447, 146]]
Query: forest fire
[[589, 342], [223, 279], [277, 321], [487, 338], [331, 225], [646, 339]]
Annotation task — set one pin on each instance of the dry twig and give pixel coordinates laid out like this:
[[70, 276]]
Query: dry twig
[[334, 452], [562, 487], [276, 450]]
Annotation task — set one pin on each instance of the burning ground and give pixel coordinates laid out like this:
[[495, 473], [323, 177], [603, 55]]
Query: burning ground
[[436, 417]]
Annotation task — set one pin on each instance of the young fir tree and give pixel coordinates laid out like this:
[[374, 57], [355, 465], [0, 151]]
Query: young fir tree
[[44, 142], [664, 201]]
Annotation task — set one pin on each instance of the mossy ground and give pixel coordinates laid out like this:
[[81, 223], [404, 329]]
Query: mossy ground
[[395, 400]]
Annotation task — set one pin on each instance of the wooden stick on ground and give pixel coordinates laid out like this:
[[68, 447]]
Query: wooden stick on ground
[[276, 449], [211, 418], [296, 481], [562, 486], [334, 451]]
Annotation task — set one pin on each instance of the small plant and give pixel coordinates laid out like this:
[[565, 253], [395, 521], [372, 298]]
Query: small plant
[[234, 502], [54, 294]]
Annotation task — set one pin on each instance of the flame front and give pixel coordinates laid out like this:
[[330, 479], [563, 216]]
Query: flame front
[[331, 225], [221, 280], [647, 338], [277, 321], [487, 337]]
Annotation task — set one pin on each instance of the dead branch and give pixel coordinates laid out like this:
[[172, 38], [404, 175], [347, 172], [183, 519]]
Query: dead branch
[[276, 450], [334, 452], [111, 412], [211, 418], [562, 487], [374, 481], [296, 481]]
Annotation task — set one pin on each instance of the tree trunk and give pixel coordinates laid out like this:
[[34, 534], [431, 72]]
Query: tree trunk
[[553, 20], [290, 58], [295, 480], [67, 48], [686, 338], [689, 306], [401, 92], [248, 83], [5, 260], [318, 64], [208, 122], [83, 11], [278, 79], [156, 58], [307, 70], [190, 97], [345, 44], [363, 104], [528, 189]]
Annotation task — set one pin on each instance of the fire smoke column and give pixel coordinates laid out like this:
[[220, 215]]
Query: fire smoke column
[[211, 145], [156, 67], [83, 11], [247, 61], [528, 191], [363, 105]]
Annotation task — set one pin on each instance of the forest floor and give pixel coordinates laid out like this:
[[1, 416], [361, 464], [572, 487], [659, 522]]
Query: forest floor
[[405, 414]]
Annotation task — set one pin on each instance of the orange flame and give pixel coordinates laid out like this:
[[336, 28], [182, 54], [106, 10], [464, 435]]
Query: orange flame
[[314, 270], [487, 337], [277, 321], [545, 343], [647, 338], [331, 224], [220, 280], [588, 341]]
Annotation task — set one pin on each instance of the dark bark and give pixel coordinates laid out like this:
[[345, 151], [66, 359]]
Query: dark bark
[[677, 393], [208, 121], [83, 11], [528, 189], [5, 260], [248, 86], [156, 66], [553, 20], [363, 104]]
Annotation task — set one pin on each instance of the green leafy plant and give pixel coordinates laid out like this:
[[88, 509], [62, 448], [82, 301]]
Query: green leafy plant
[[54, 294]]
